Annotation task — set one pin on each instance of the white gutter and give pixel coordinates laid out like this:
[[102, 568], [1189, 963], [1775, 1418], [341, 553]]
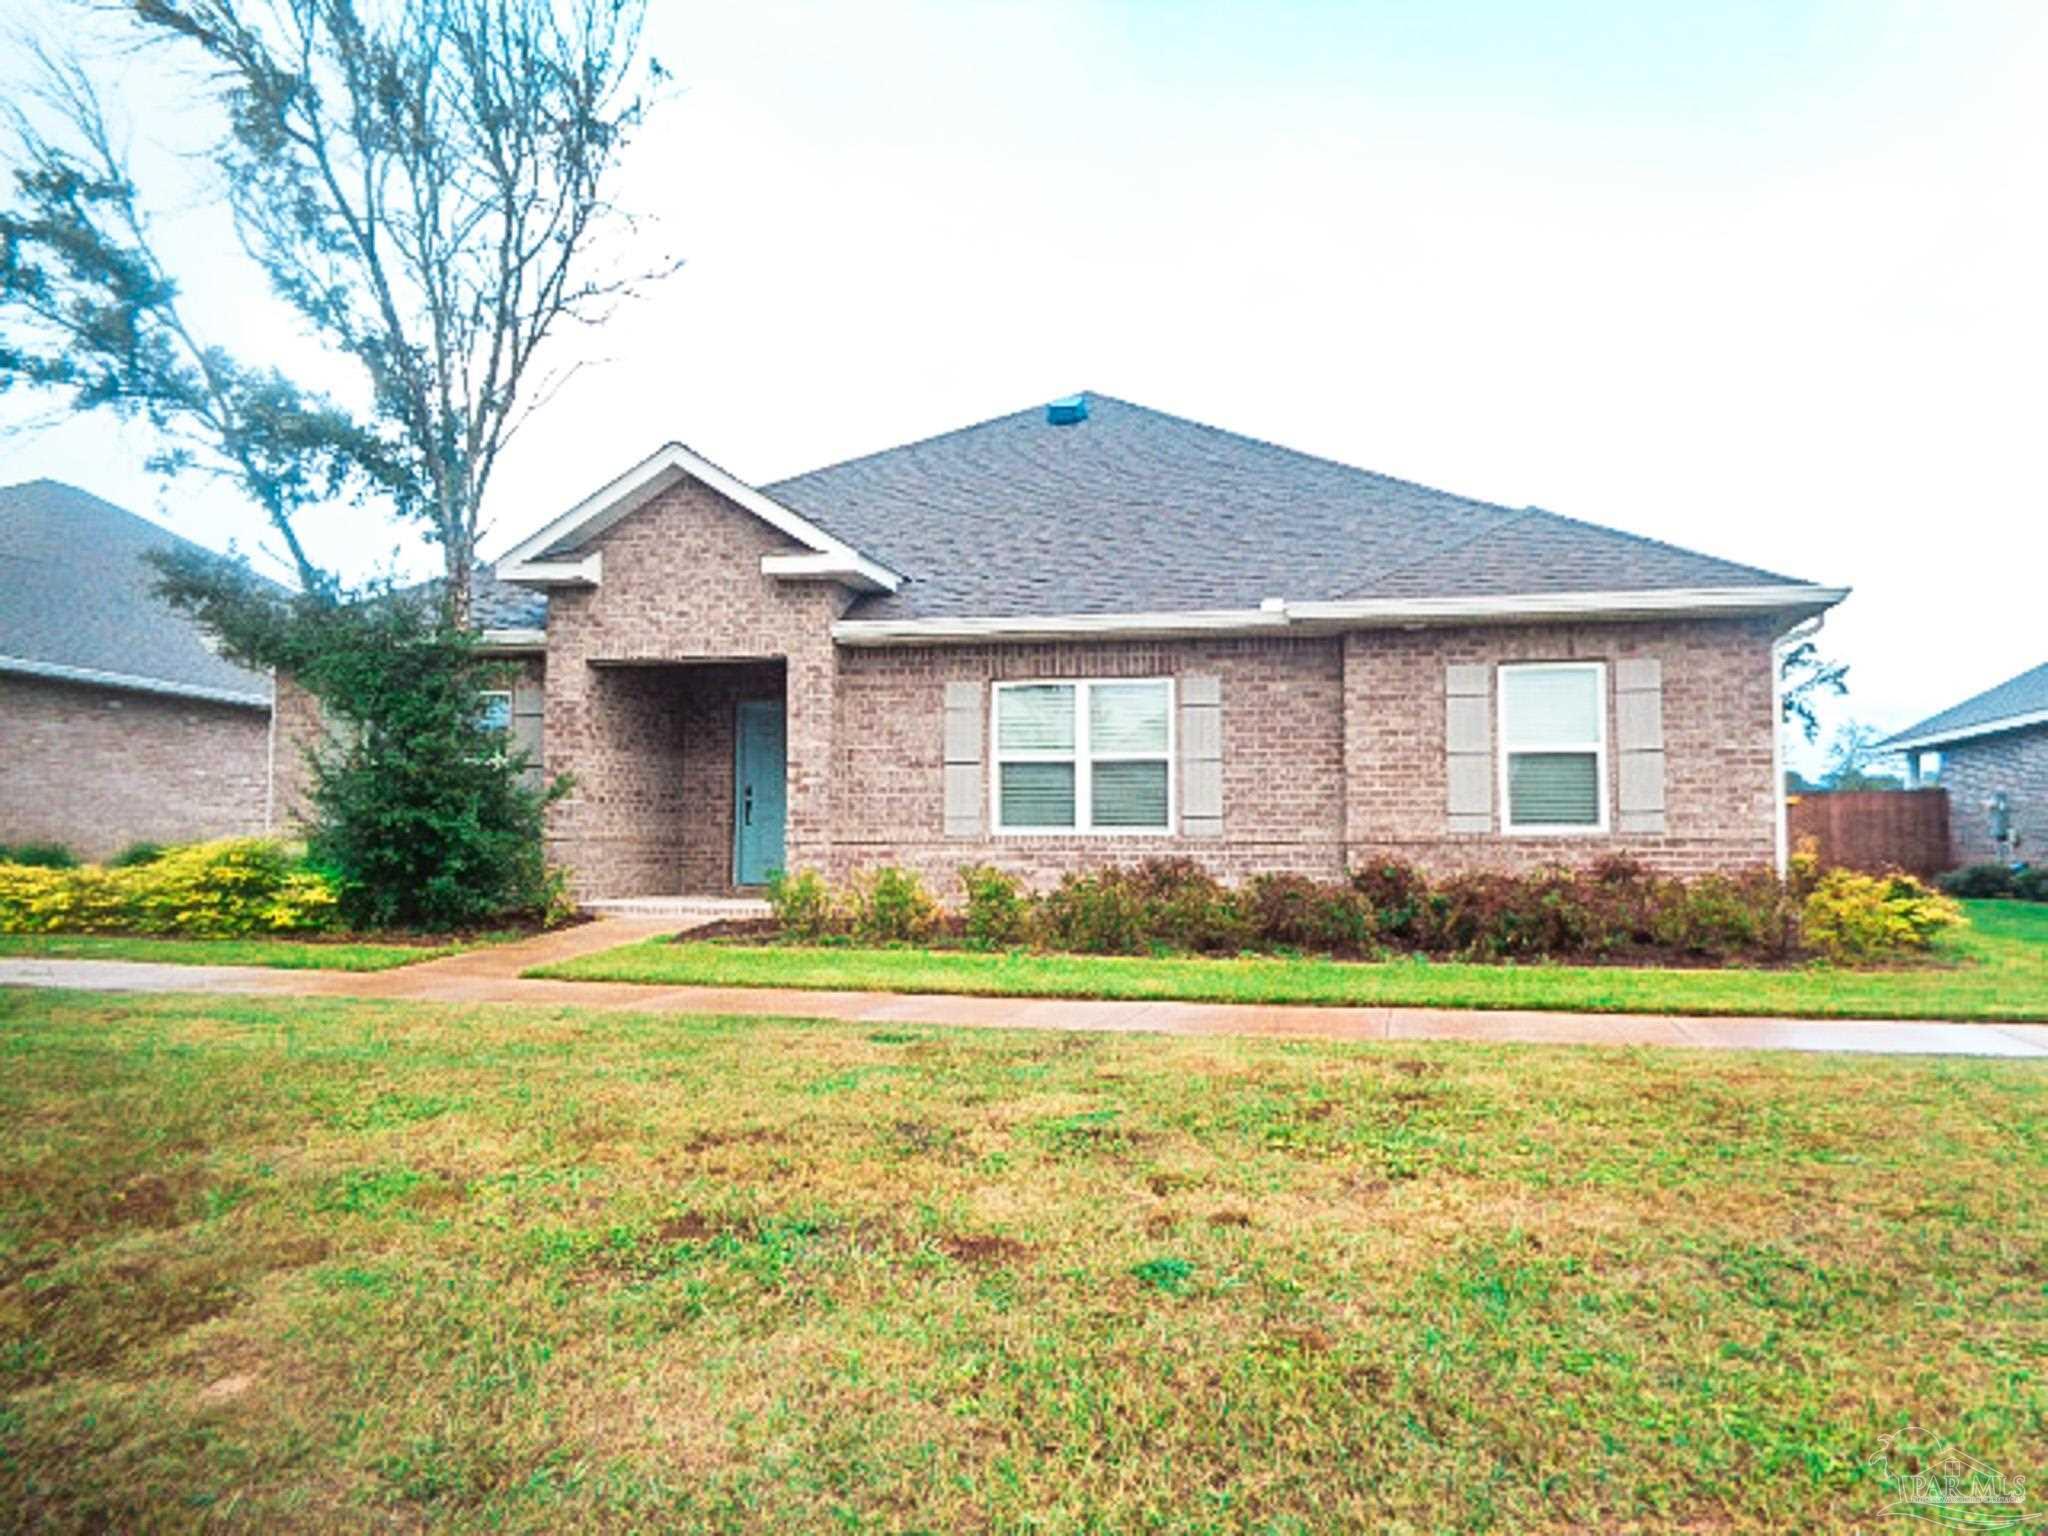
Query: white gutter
[[1364, 613], [1121, 626], [64, 674], [1965, 732], [1805, 629]]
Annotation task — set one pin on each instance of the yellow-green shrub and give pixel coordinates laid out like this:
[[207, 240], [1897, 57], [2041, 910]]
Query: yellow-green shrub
[[205, 890], [1851, 916]]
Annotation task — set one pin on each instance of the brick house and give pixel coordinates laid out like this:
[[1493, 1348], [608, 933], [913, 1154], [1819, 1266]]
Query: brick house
[[117, 722], [1994, 764], [1093, 632]]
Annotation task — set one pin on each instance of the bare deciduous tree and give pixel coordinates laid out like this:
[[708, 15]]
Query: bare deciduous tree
[[426, 182]]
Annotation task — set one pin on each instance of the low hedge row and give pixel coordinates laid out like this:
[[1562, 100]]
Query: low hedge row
[[223, 889], [1998, 880], [1614, 909]]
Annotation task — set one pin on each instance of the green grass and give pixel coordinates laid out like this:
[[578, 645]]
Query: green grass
[[1995, 969], [337, 1266], [282, 954]]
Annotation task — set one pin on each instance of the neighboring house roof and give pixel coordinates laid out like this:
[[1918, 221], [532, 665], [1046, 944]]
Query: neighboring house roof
[[77, 601], [1125, 519], [2015, 703]]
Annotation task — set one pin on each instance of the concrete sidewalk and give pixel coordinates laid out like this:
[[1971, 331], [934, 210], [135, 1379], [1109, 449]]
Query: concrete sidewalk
[[492, 976]]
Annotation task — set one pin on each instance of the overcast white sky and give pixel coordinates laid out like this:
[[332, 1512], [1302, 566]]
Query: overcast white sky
[[1765, 278]]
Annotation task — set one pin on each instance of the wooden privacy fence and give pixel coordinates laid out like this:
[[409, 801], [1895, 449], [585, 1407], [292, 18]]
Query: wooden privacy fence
[[1875, 829]]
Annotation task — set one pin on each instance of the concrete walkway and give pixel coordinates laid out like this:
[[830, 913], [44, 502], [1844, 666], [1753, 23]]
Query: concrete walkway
[[492, 976]]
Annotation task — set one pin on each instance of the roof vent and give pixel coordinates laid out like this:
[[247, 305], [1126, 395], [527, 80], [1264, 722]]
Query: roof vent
[[1067, 412]]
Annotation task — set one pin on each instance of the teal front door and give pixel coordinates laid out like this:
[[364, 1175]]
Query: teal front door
[[760, 763]]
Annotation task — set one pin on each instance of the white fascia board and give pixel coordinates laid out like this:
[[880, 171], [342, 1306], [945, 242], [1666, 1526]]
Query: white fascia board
[[1369, 613], [858, 572], [1964, 732], [57, 672], [1057, 626], [509, 640], [656, 473], [587, 572]]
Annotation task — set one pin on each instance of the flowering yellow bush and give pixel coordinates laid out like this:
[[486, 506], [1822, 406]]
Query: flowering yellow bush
[[1851, 916], [205, 890]]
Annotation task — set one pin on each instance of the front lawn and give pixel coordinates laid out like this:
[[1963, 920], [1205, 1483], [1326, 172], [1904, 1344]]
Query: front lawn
[[1995, 969], [341, 1266], [282, 954]]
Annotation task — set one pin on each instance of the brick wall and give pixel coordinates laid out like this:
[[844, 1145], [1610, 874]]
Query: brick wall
[[1299, 792], [99, 768], [1973, 771], [1283, 756], [1720, 712]]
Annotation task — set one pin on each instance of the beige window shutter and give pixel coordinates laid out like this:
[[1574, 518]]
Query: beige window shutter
[[1639, 744], [527, 735], [963, 758], [1468, 746], [1201, 756]]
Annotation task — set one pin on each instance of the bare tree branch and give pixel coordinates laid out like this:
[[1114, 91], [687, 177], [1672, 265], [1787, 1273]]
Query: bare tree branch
[[426, 182]]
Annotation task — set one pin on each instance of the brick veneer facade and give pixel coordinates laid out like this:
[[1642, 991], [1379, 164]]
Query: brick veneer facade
[[98, 768], [683, 622], [2012, 762], [1334, 745]]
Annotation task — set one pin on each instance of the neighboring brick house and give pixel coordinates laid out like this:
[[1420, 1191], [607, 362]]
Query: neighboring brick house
[[1994, 765], [1094, 632], [117, 722]]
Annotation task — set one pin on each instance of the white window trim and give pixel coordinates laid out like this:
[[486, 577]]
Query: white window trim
[[1598, 747], [1082, 759]]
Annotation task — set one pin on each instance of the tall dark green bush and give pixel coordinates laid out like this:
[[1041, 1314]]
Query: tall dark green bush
[[418, 808]]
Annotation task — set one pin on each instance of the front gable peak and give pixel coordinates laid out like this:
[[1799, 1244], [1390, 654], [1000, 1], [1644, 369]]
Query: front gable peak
[[558, 555]]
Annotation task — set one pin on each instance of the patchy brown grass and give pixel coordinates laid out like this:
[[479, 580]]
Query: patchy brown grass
[[333, 1267]]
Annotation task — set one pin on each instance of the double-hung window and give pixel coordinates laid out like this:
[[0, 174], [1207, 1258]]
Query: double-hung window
[[1084, 756], [1553, 747]]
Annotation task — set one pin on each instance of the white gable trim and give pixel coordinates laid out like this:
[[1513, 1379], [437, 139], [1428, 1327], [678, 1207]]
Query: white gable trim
[[829, 558]]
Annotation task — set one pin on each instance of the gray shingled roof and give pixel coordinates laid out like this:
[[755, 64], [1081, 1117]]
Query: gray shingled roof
[[2019, 696], [75, 594], [495, 604], [1136, 511]]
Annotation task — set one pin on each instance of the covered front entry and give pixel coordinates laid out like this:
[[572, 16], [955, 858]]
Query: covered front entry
[[682, 789], [760, 791]]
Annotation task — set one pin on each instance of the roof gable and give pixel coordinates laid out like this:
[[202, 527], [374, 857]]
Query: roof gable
[[561, 552], [77, 601]]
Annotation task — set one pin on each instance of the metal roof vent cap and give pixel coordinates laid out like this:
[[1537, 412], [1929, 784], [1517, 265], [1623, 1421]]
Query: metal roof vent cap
[[1067, 412]]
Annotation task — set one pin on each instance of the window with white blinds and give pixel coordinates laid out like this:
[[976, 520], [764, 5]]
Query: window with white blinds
[[1084, 756], [1553, 747]]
